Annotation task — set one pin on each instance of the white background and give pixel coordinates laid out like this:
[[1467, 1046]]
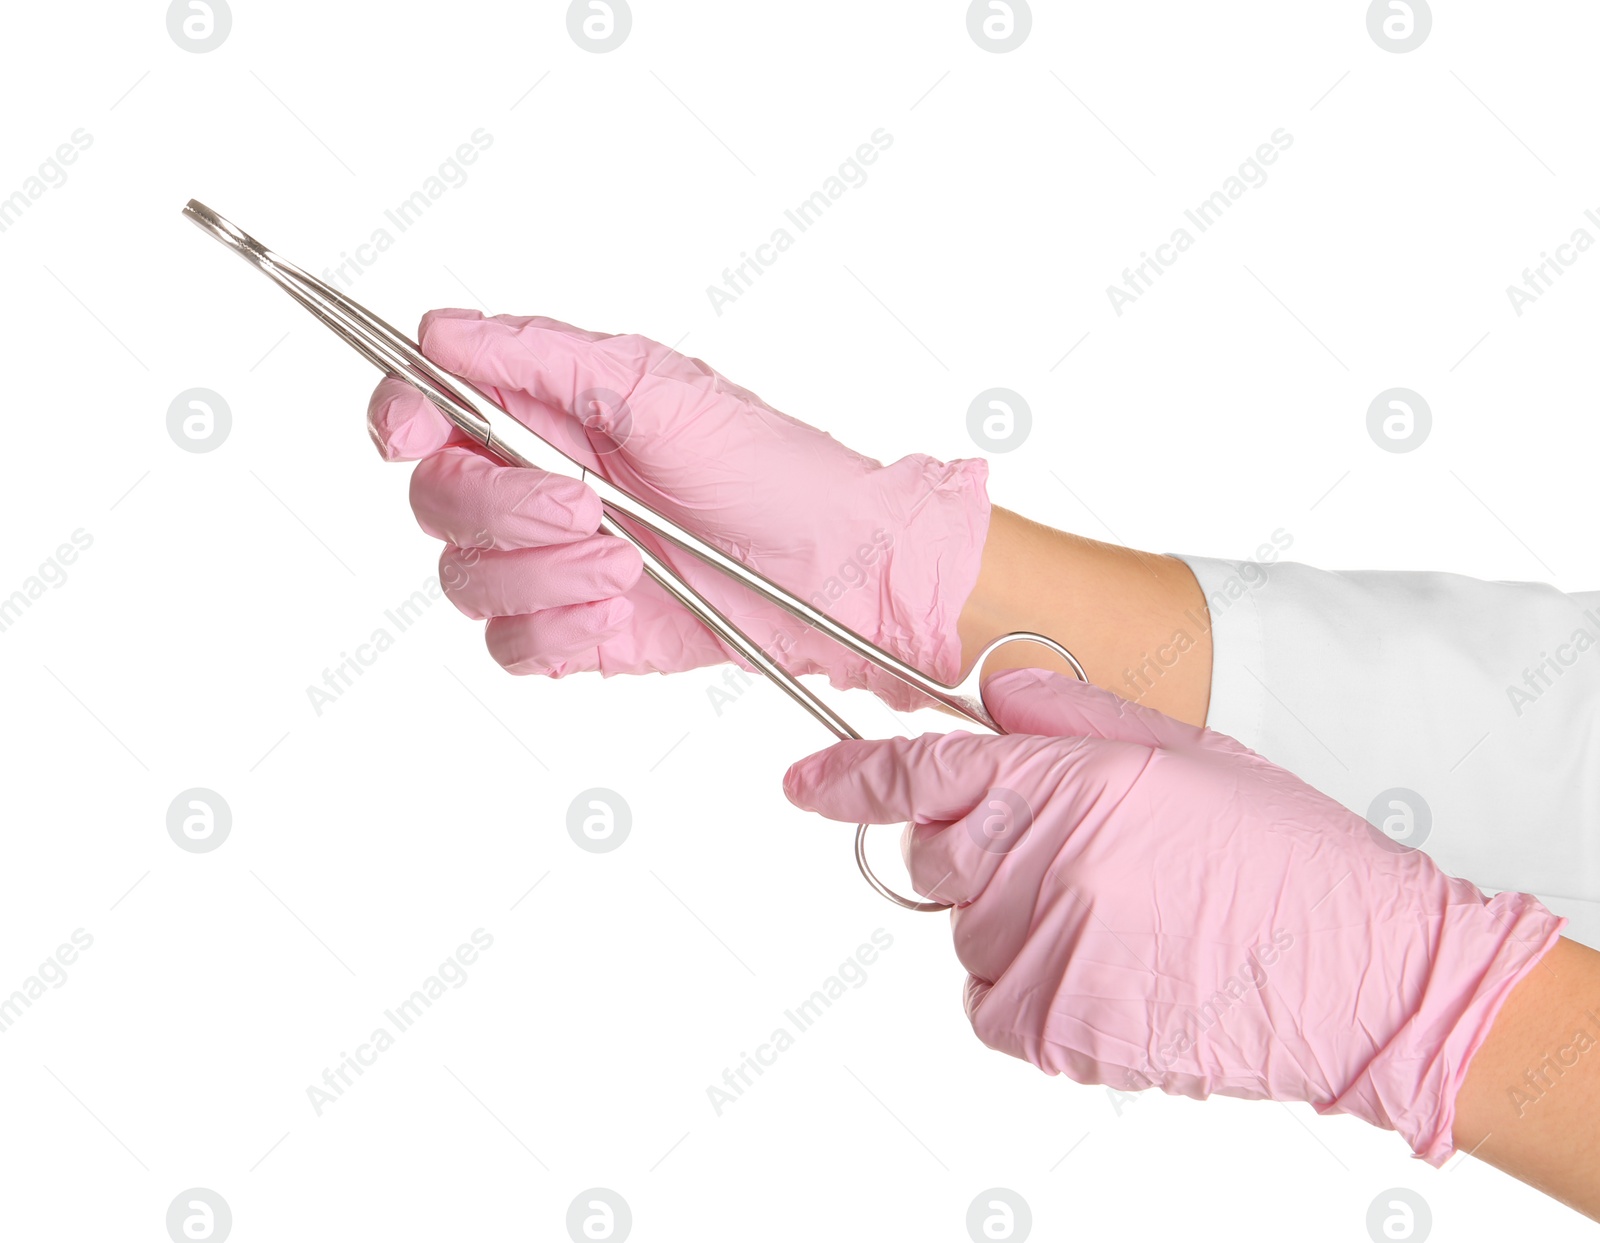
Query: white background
[[369, 841]]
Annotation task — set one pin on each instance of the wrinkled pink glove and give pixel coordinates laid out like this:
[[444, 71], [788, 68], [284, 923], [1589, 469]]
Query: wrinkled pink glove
[[1152, 904], [890, 551]]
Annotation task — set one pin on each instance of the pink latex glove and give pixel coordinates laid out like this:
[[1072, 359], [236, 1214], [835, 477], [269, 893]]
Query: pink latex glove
[[1153, 904], [890, 551]]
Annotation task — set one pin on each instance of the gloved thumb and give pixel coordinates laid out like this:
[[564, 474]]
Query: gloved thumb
[[1032, 701]]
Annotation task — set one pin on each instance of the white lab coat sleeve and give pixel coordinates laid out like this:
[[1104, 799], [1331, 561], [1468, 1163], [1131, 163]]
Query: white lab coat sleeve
[[1463, 716]]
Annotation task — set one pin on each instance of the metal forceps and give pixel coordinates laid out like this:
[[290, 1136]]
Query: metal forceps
[[497, 431]]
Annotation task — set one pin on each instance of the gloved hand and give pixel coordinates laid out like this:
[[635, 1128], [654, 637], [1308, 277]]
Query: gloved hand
[[1153, 904], [890, 551]]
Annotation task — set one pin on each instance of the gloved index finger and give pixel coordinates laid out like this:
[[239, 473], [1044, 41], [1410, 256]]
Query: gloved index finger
[[934, 778]]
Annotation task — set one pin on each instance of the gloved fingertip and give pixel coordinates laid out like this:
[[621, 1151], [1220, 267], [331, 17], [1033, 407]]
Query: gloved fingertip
[[797, 783], [609, 617], [587, 510], [532, 507], [548, 643], [404, 425], [809, 781], [627, 564]]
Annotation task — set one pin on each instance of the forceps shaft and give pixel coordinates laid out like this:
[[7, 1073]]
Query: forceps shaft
[[483, 419]]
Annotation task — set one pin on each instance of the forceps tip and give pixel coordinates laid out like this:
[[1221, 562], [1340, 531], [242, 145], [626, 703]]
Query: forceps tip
[[223, 229]]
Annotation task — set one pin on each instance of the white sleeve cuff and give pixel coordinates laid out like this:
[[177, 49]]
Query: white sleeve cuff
[[1466, 713]]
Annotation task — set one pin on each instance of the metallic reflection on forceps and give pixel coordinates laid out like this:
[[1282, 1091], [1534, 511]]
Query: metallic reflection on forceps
[[486, 421]]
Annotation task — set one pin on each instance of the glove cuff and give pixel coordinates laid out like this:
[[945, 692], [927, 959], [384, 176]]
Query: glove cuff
[[1482, 950], [935, 522]]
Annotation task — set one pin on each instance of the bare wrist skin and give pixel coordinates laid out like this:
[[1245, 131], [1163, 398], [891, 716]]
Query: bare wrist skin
[[1532, 1092], [1137, 621]]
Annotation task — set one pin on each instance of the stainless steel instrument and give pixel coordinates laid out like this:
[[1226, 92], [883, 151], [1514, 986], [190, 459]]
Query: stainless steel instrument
[[480, 417]]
